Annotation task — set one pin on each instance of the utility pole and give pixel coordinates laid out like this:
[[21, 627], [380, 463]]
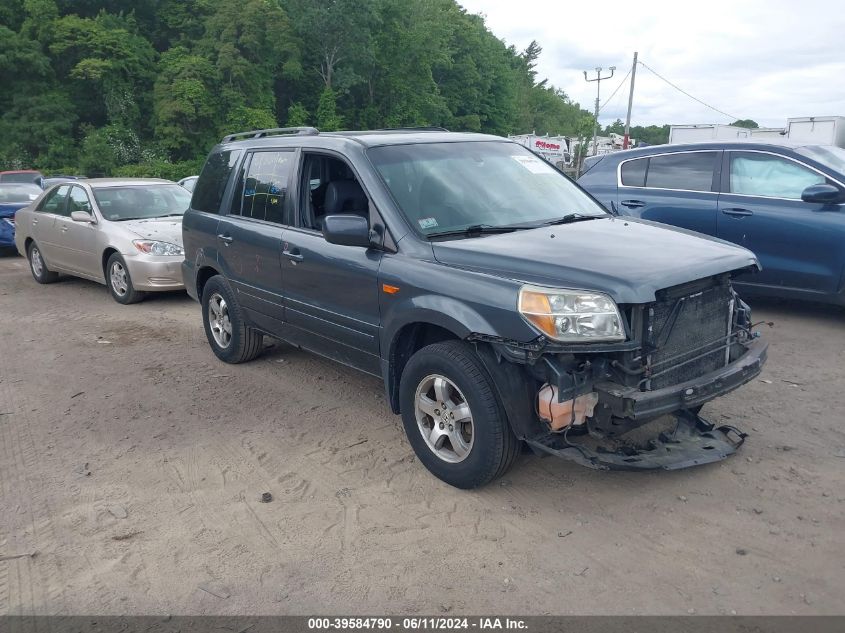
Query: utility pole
[[598, 81], [630, 103]]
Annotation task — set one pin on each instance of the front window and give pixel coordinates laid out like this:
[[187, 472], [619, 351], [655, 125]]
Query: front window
[[832, 157], [10, 194], [444, 187], [137, 202], [765, 175]]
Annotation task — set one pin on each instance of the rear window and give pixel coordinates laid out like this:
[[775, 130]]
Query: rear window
[[692, 171], [211, 185]]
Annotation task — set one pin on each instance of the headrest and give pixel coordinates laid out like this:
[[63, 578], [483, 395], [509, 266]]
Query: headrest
[[345, 196]]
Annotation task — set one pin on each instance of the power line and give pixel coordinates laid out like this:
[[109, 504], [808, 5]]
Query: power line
[[612, 94], [707, 105]]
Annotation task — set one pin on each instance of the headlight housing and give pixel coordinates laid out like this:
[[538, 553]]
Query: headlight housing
[[153, 247], [571, 316]]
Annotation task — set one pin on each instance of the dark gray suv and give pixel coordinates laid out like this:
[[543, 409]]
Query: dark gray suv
[[499, 302]]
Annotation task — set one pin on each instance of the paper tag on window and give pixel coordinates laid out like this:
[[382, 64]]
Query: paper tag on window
[[427, 223], [534, 165]]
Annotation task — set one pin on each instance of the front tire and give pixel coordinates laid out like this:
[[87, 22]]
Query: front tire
[[225, 328], [453, 418], [40, 272], [119, 281]]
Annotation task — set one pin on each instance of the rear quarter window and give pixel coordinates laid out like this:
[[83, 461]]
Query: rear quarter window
[[213, 179], [633, 172]]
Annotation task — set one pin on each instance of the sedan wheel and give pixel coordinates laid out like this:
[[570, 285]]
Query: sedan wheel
[[40, 272], [444, 418], [119, 279]]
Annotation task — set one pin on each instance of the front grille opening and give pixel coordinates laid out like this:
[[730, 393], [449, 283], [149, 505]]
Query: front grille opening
[[686, 333]]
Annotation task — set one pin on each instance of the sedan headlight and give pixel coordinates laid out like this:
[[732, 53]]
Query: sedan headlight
[[152, 247], [572, 316]]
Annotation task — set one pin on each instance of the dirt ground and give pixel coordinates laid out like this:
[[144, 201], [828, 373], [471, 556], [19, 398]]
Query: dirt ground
[[132, 462]]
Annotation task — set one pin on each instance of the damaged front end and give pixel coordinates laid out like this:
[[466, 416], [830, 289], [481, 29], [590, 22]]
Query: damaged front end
[[635, 404]]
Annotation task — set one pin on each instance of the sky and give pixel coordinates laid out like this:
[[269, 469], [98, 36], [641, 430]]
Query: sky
[[765, 61]]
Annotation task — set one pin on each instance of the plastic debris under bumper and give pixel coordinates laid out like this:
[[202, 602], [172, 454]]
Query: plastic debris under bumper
[[693, 442], [635, 404]]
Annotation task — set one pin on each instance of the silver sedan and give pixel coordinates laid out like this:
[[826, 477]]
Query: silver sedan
[[124, 233]]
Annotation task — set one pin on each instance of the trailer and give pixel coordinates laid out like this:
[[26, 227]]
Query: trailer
[[555, 149], [706, 132]]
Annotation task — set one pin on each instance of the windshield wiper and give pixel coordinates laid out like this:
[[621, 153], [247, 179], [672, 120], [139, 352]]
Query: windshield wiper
[[571, 217], [475, 230]]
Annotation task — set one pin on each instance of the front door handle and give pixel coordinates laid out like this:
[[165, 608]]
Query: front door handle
[[34, 221], [64, 228], [632, 204], [737, 212], [226, 239], [293, 254]]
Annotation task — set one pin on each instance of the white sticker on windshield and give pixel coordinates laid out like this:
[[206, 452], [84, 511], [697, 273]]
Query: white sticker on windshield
[[534, 164], [427, 223]]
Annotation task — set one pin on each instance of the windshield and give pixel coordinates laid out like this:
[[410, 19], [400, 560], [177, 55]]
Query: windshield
[[18, 193], [833, 157], [21, 176], [137, 202], [444, 187]]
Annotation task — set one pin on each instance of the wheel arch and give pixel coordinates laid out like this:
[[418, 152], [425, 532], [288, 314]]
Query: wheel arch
[[204, 273], [104, 260]]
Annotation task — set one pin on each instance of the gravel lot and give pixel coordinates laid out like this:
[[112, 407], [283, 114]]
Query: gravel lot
[[132, 463]]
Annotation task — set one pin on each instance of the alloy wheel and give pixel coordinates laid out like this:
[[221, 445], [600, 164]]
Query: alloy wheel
[[218, 320], [444, 418]]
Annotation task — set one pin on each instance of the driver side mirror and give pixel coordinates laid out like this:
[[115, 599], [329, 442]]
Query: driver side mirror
[[82, 216], [347, 230], [822, 194]]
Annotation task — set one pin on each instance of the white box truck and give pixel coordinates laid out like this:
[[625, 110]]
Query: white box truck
[[706, 132], [817, 130]]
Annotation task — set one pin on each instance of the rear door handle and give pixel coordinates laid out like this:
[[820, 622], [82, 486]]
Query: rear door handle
[[632, 204], [737, 212], [226, 239], [293, 254], [34, 221]]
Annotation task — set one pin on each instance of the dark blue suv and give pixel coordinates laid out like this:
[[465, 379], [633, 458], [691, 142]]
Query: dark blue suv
[[783, 202], [498, 302]]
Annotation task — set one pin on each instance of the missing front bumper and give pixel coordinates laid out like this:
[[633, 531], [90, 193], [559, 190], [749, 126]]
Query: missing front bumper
[[692, 442]]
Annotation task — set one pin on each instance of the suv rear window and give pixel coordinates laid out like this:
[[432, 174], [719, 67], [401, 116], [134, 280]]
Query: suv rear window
[[211, 185]]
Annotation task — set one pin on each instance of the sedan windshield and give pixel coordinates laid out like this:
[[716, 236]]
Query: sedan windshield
[[443, 188], [138, 202], [13, 193], [833, 157]]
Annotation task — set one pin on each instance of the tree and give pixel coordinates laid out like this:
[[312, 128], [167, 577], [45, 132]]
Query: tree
[[749, 123], [297, 115], [327, 118]]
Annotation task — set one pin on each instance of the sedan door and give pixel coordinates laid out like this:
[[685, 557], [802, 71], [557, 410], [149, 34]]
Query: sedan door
[[76, 241], [679, 188], [799, 244], [44, 229]]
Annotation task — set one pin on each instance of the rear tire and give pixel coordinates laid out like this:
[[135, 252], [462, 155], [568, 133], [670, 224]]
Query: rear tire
[[231, 340], [40, 272], [120, 283], [468, 442]]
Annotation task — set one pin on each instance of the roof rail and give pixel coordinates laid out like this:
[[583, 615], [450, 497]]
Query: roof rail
[[276, 131]]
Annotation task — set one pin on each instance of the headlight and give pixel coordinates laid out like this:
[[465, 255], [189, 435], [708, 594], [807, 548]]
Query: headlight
[[573, 316], [151, 247]]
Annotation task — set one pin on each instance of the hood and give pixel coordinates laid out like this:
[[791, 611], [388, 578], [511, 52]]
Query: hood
[[8, 209], [626, 258], [161, 229]]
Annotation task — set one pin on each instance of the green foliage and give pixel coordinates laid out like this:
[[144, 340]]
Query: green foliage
[[146, 88], [327, 117], [749, 123], [297, 115]]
